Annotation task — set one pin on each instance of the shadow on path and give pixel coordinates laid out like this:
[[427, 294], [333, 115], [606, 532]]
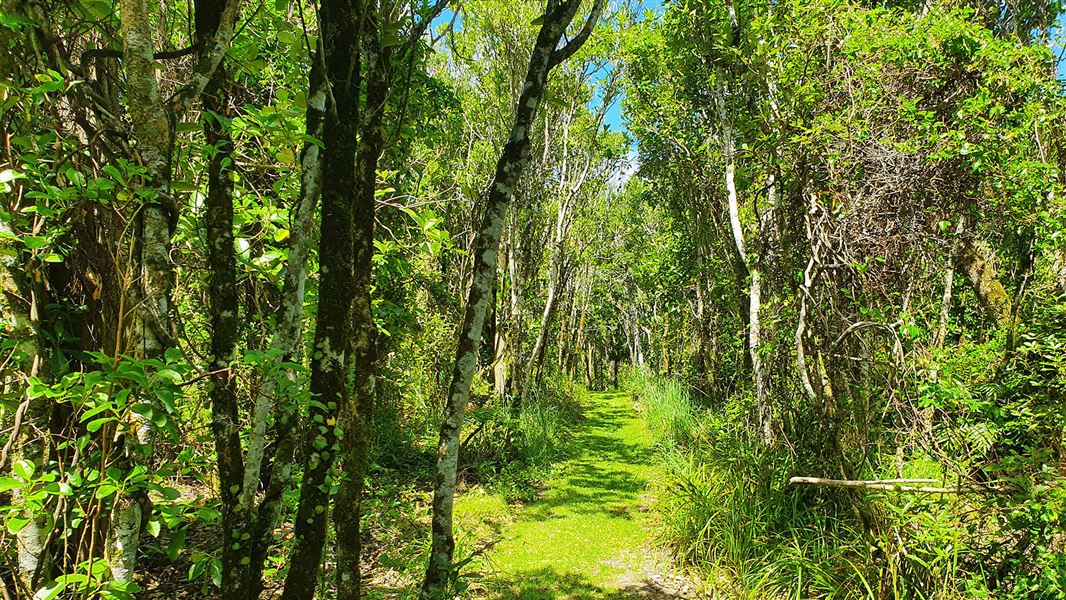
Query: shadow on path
[[548, 585]]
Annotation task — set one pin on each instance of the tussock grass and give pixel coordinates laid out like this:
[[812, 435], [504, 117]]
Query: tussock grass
[[724, 507]]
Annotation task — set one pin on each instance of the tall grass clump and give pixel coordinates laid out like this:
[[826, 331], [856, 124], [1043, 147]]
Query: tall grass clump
[[544, 420], [511, 446], [725, 509], [667, 405]]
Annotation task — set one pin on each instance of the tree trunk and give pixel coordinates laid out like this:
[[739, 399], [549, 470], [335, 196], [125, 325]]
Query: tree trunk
[[981, 273], [224, 311], [284, 346], [945, 304], [19, 322], [512, 162], [536, 356], [149, 329], [332, 355], [357, 419]]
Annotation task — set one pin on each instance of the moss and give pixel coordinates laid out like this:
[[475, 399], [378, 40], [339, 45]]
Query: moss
[[982, 275]]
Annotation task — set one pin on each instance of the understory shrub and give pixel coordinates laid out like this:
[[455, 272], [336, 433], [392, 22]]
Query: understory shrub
[[512, 446], [725, 508]]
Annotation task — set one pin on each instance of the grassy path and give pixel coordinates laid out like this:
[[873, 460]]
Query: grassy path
[[588, 536]]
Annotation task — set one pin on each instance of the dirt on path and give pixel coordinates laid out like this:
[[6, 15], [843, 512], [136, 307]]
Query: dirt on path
[[589, 536]]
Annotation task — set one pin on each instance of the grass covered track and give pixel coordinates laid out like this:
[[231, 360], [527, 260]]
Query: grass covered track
[[589, 535]]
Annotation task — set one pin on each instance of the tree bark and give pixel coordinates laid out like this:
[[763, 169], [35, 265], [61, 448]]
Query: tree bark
[[357, 418], [340, 429], [274, 471], [981, 273], [891, 485], [149, 329], [339, 22], [512, 162], [19, 323], [224, 311], [225, 324]]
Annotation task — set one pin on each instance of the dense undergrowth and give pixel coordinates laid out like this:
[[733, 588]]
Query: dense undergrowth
[[726, 508]]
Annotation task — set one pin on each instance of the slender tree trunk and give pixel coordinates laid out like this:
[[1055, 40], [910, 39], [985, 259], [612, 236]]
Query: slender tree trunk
[[339, 22], [224, 310], [149, 325], [357, 419], [275, 470], [945, 304], [535, 357], [19, 322], [981, 273], [284, 343], [590, 376], [801, 331], [512, 162]]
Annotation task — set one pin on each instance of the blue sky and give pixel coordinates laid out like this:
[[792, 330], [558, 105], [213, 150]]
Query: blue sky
[[613, 119], [1058, 36]]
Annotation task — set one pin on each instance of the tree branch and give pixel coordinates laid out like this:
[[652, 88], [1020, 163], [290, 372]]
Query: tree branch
[[575, 44], [419, 28], [211, 49], [161, 55], [893, 485]]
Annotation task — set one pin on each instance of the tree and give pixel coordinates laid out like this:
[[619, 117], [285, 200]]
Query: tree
[[516, 154]]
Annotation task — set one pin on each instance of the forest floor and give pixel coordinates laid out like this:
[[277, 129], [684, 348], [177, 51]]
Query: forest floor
[[588, 537], [588, 534]]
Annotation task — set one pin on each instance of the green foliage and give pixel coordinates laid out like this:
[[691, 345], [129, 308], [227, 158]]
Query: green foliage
[[667, 406], [514, 449]]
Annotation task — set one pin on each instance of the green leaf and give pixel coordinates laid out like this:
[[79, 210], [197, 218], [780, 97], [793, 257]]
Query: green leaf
[[216, 572], [9, 483], [177, 542], [197, 569], [34, 242], [24, 469], [96, 424], [170, 375], [105, 490], [49, 591], [16, 523]]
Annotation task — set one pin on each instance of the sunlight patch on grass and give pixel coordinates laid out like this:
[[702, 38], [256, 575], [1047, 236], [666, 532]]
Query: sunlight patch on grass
[[580, 538]]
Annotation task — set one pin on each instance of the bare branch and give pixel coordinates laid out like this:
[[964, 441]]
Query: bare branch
[[420, 28], [579, 40], [893, 485], [211, 51]]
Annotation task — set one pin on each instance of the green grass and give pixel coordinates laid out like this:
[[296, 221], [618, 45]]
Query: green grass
[[669, 410], [581, 538]]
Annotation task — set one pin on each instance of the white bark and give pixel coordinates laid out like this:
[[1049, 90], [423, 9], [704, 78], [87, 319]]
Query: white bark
[[150, 321], [286, 339], [725, 121], [755, 343], [801, 330], [124, 538]]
